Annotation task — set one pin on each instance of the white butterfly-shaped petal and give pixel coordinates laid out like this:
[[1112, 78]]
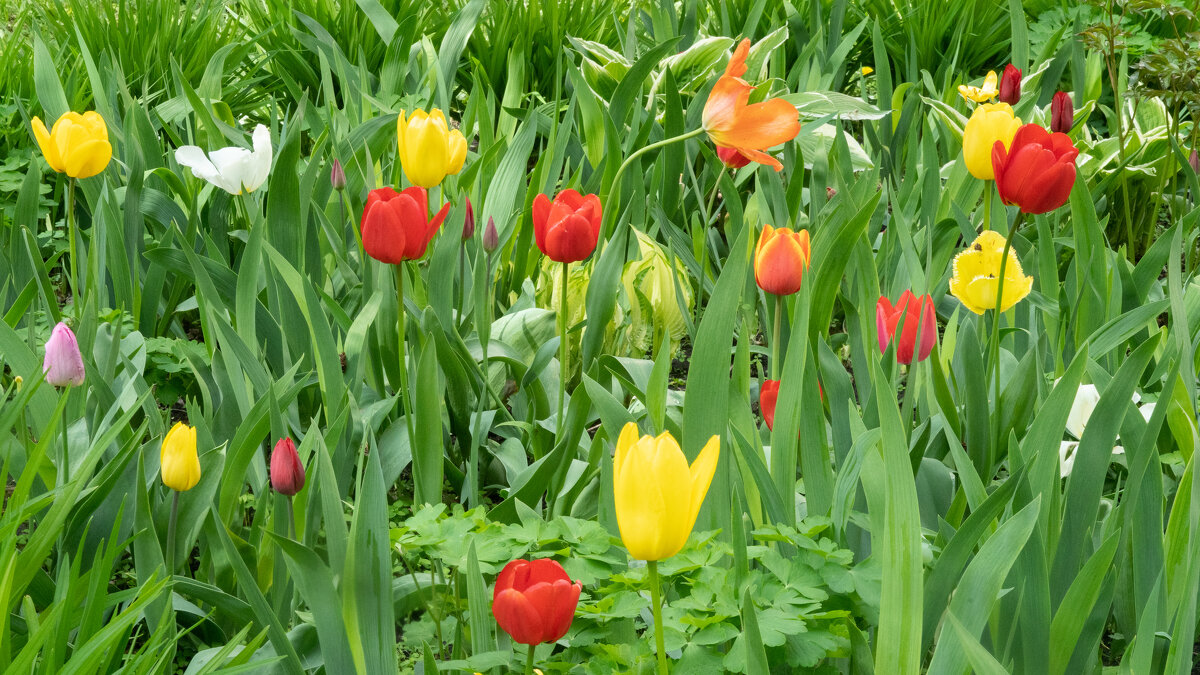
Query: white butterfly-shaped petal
[[232, 169]]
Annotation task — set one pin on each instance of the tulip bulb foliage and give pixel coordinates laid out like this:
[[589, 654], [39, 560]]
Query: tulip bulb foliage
[[233, 169]]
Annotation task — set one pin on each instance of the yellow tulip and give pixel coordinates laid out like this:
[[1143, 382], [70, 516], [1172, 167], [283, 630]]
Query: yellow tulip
[[77, 145], [866, 70], [180, 465], [989, 123], [429, 149], [657, 494], [981, 94], [977, 269]]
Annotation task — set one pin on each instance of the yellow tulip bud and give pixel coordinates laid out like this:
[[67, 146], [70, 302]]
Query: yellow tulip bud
[[977, 269], [429, 149], [989, 123], [180, 465], [657, 495], [77, 145]]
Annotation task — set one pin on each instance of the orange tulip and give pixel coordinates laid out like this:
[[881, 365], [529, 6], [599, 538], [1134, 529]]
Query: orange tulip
[[780, 260], [731, 122]]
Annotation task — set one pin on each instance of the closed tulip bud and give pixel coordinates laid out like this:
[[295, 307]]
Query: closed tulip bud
[[287, 473], [731, 158], [491, 238], [337, 176], [180, 463], [656, 494], [469, 222], [1194, 161], [534, 601], [1038, 172], [1010, 85], [77, 145], [396, 225], [920, 326], [1062, 113], [429, 149], [19, 383], [768, 397], [566, 229], [63, 363], [780, 260], [977, 273], [989, 124]]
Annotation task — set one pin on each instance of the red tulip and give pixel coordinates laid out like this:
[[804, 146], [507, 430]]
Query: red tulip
[[768, 396], [287, 473], [534, 601], [1010, 85], [1037, 172], [1062, 113], [912, 311], [566, 229], [731, 158], [396, 225]]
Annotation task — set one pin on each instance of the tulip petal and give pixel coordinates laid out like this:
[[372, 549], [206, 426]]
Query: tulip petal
[[88, 158], [764, 125], [541, 218], [195, 159], [458, 152], [517, 616], [45, 142], [259, 164], [640, 505], [429, 153], [702, 470]]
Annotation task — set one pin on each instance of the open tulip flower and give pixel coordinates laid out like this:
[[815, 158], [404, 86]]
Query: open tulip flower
[[429, 149], [396, 225], [180, 464], [76, 145], [977, 270], [732, 122], [657, 495], [981, 94], [534, 601], [920, 325], [566, 229], [1037, 172], [233, 169], [780, 260], [991, 123]]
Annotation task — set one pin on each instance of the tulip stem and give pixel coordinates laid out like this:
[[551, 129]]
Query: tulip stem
[[77, 296], [987, 204], [529, 660], [776, 350], [291, 511], [997, 314], [402, 348], [171, 532], [616, 183], [64, 466], [656, 609], [562, 351]]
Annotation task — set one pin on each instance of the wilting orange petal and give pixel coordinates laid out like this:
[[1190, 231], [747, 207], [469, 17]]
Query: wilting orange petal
[[764, 125]]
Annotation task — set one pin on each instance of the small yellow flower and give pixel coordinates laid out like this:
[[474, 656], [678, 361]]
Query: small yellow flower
[[656, 494], [429, 149], [77, 145], [989, 123], [981, 94], [976, 273], [866, 70], [180, 464]]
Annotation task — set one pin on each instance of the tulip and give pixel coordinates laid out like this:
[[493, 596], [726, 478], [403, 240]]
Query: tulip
[[287, 473], [1038, 172], [1194, 161], [534, 601], [1010, 85], [866, 70], [1086, 399], [180, 464], [77, 145], [469, 222], [337, 176], [748, 128], [657, 495], [731, 158], [1062, 113], [768, 396], [491, 238], [233, 169], [912, 311], [980, 94], [396, 225], [566, 229], [63, 364], [429, 149], [989, 124], [780, 260], [977, 269]]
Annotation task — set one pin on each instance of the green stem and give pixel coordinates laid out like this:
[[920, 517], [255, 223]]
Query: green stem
[[610, 214], [64, 467], [171, 532], [994, 347], [529, 660], [478, 440], [656, 608], [987, 204], [776, 349], [291, 518], [562, 351], [402, 348], [71, 234], [708, 222]]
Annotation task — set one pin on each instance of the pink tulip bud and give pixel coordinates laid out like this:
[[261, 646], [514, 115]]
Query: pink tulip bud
[[469, 223], [1010, 85], [63, 364], [1194, 160], [1062, 113], [287, 473], [337, 176], [491, 238]]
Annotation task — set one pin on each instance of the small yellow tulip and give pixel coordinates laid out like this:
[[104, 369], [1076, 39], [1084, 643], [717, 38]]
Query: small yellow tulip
[[657, 495], [977, 269], [429, 149], [180, 465], [981, 94], [77, 145], [989, 123]]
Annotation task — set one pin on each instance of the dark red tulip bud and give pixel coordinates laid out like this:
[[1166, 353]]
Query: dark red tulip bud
[[469, 223], [287, 473], [337, 176], [1010, 85], [491, 238], [1062, 113]]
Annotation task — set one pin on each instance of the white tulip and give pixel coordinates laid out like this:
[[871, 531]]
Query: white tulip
[[232, 169], [1066, 456], [1086, 399]]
